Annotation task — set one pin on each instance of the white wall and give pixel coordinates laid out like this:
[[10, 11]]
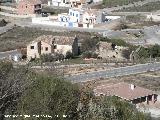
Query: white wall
[[112, 17], [63, 49], [154, 17]]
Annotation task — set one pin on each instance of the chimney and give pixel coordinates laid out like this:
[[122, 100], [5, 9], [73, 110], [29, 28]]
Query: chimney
[[132, 86]]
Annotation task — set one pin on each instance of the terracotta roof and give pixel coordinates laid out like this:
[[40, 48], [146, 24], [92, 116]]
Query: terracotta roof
[[32, 1], [60, 40], [122, 90]]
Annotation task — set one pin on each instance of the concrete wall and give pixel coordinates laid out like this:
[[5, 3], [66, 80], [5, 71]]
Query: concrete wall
[[48, 21], [112, 17]]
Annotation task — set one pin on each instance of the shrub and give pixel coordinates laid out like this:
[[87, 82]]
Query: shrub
[[47, 58], [89, 54], [69, 55]]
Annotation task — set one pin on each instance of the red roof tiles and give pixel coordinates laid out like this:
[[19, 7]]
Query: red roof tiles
[[122, 90]]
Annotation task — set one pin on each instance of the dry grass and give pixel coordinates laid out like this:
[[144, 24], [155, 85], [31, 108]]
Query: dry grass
[[19, 37], [150, 80]]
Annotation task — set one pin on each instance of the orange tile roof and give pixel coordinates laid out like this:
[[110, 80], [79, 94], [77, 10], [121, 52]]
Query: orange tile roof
[[122, 90]]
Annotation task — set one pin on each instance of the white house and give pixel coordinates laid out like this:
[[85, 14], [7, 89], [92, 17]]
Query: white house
[[67, 3], [85, 18]]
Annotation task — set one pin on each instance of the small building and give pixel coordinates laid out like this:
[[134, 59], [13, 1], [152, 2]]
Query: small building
[[85, 18], [29, 7], [48, 44], [128, 92], [67, 3]]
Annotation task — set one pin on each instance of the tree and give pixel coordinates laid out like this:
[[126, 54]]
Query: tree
[[111, 108], [89, 44], [154, 51], [50, 96], [13, 81]]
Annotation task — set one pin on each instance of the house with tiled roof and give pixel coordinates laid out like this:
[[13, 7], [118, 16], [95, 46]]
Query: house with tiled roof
[[29, 7], [128, 92], [49, 44]]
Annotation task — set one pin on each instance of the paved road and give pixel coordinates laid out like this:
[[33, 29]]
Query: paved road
[[8, 54], [141, 68]]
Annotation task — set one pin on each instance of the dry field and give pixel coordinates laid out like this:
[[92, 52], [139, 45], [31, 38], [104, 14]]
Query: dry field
[[150, 80], [19, 37]]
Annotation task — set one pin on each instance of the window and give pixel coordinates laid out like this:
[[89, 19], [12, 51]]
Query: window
[[73, 14], [55, 46], [26, 6], [46, 48], [70, 13], [76, 15], [32, 47]]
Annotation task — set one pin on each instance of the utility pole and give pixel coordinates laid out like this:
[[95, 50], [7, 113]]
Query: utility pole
[[150, 57]]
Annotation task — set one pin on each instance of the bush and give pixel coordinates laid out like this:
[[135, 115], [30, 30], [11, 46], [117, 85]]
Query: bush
[[47, 58], [89, 55], [51, 57], [69, 55], [89, 44]]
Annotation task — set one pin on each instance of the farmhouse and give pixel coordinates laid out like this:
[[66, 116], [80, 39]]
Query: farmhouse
[[125, 91], [48, 44], [28, 7]]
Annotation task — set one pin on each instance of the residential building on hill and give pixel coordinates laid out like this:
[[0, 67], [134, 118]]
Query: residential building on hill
[[128, 92], [28, 7], [48, 44]]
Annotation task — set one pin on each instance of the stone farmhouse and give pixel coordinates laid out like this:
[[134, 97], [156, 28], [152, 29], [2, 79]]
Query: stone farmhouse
[[29, 7], [128, 92], [48, 44]]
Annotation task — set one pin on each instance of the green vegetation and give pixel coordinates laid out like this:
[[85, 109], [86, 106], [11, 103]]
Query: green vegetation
[[50, 96], [148, 7], [51, 57], [89, 54], [28, 93], [153, 51]]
